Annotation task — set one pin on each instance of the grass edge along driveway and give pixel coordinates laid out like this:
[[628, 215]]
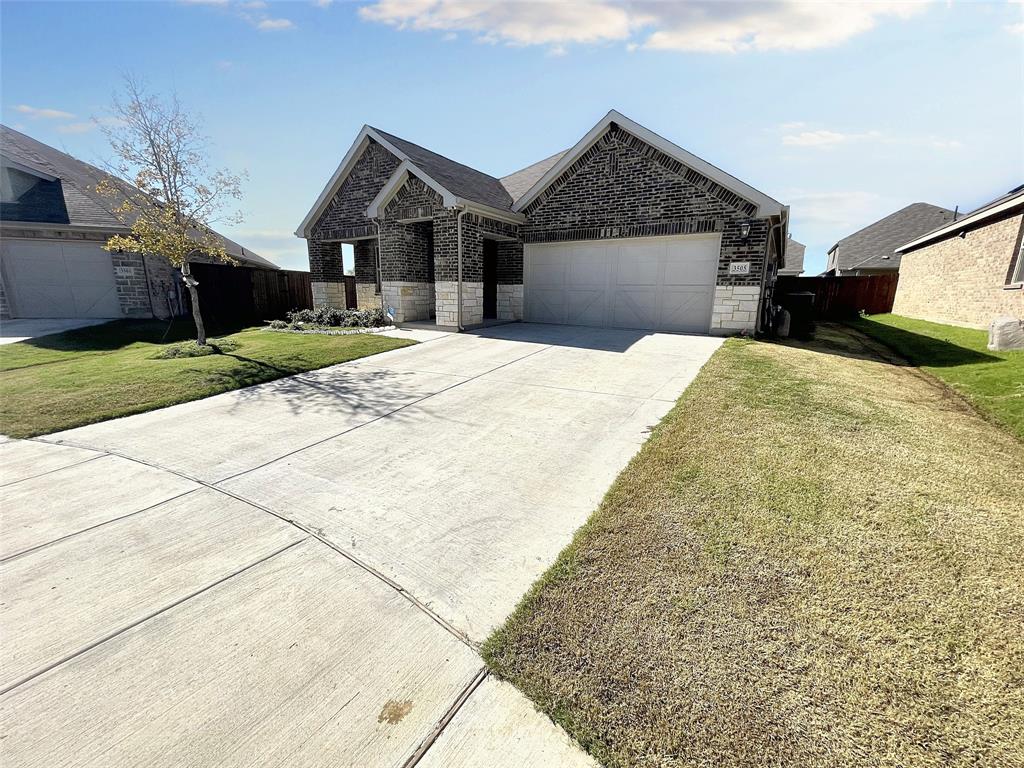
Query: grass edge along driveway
[[106, 371], [993, 382], [816, 560]]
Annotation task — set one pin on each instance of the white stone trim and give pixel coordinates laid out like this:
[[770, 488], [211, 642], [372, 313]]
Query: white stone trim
[[409, 300], [448, 308], [367, 296], [735, 309], [510, 302], [328, 294]]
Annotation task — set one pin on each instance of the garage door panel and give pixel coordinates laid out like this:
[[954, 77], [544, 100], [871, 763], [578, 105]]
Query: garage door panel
[[546, 306], [585, 307], [659, 283], [639, 264], [680, 308], [548, 271], [54, 279], [587, 268], [635, 308]]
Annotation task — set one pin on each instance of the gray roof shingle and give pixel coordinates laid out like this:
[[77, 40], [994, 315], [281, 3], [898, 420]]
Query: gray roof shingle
[[519, 183], [72, 199], [459, 179], [872, 247]]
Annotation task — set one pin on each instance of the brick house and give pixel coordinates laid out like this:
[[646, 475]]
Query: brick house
[[624, 229], [969, 271], [870, 251], [53, 225]]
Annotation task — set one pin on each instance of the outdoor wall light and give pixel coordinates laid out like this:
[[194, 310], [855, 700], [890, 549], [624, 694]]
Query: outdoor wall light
[[745, 230]]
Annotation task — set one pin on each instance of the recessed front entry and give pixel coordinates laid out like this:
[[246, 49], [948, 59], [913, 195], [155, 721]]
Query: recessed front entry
[[656, 283], [490, 277]]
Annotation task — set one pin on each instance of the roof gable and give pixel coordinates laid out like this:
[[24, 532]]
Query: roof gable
[[762, 203], [873, 246], [398, 180], [462, 181], [997, 207], [456, 182], [71, 196]]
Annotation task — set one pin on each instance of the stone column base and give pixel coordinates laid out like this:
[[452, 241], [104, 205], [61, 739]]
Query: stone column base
[[735, 309], [448, 307], [367, 296], [510, 302], [328, 295], [410, 301]]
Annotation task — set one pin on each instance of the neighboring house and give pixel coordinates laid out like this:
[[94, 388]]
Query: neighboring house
[[53, 225], [625, 230], [870, 251], [794, 258], [969, 271]]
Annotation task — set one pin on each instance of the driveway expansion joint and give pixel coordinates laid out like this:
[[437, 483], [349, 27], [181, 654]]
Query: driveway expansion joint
[[318, 535], [147, 617]]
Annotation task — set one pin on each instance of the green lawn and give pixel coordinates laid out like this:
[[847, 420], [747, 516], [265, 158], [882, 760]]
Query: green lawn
[[816, 560], [992, 381], [104, 371]]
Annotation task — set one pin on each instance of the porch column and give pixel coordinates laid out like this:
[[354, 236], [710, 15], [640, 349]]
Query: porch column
[[327, 274], [367, 284]]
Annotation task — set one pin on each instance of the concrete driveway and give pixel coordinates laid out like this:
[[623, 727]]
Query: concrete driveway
[[299, 573], [23, 330]]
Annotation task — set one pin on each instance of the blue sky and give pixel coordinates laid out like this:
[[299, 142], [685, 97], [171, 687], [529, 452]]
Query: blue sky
[[845, 111]]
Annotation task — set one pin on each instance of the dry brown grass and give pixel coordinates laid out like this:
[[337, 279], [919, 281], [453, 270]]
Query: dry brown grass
[[817, 560]]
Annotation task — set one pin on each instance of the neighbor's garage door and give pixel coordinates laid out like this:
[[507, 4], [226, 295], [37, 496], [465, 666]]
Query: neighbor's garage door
[[657, 283], [49, 278]]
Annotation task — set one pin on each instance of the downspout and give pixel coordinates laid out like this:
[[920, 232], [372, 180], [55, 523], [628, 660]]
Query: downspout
[[380, 271], [458, 225], [782, 222]]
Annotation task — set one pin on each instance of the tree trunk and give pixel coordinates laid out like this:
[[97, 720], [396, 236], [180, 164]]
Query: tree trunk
[[190, 283]]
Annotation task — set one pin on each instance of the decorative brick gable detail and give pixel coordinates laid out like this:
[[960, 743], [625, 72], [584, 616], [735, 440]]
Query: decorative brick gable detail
[[623, 187], [345, 216]]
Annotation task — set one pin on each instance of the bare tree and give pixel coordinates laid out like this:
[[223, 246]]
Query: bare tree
[[176, 197]]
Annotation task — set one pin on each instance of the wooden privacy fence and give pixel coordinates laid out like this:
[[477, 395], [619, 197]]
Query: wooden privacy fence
[[836, 298], [231, 295]]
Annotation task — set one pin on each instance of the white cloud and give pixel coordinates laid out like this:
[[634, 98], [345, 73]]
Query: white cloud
[[75, 127], [43, 113], [517, 23], [253, 12], [274, 25], [826, 138], [1015, 29], [707, 26], [731, 27]]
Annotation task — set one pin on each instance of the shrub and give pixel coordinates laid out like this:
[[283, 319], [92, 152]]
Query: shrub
[[278, 324], [192, 349], [331, 317]]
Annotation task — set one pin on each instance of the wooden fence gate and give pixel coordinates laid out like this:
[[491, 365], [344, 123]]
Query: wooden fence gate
[[836, 298], [231, 296]]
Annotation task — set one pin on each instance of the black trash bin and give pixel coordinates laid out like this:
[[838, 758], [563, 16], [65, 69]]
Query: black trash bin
[[801, 313]]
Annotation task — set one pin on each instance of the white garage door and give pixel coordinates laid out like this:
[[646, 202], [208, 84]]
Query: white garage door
[[49, 278], [656, 283]]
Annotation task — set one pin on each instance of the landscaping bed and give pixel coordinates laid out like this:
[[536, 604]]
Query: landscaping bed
[[816, 560], [993, 382], [105, 371]]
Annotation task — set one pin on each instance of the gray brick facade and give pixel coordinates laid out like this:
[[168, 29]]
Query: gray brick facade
[[621, 187]]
